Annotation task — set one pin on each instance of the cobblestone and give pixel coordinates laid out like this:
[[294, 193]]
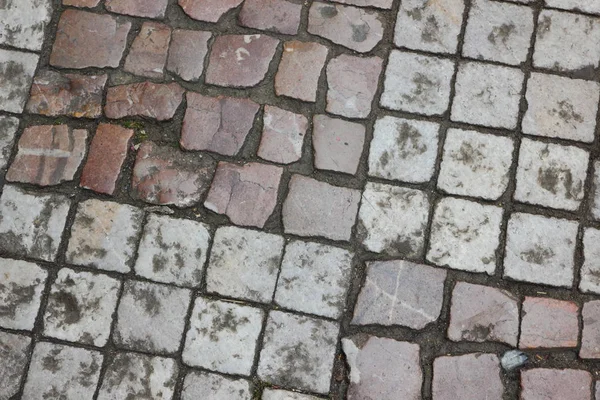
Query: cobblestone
[[590, 270], [208, 10], [203, 385], [548, 323], [547, 384], [271, 15], [299, 70], [24, 23], [149, 51], [146, 99], [14, 350], [138, 8], [338, 144], [590, 342], [273, 394], [16, 75], [187, 52], [282, 136], [8, 130]]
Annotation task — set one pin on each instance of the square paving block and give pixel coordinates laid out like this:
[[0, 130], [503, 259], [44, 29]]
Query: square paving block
[[14, 350], [204, 385]]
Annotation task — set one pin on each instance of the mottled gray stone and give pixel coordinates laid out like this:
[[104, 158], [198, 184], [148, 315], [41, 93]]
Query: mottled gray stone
[[244, 264], [589, 6], [382, 368], [590, 270], [222, 336], [298, 352], [8, 130], [206, 386], [282, 136], [14, 350], [16, 76], [400, 293], [595, 195], [554, 384], [275, 394], [149, 51], [338, 144], [24, 23]]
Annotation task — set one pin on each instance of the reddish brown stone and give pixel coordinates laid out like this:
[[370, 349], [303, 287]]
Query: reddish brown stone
[[208, 10], [81, 3], [107, 154], [368, 3], [271, 15], [76, 47], [138, 8], [300, 69], [338, 143], [48, 155], [148, 54], [218, 124], [556, 384], [247, 194], [548, 323], [590, 339], [282, 136], [146, 99], [164, 175], [187, 52], [78, 96], [240, 60]]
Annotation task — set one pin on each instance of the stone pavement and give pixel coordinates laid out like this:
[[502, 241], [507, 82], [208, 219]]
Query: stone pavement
[[299, 200]]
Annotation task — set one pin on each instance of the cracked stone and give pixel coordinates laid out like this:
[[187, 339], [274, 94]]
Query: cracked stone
[[590, 342], [203, 385], [548, 323], [187, 52], [338, 144], [138, 8], [14, 350], [145, 99], [550, 384], [149, 51], [282, 136], [208, 10], [16, 75], [24, 23], [271, 15], [8, 130], [299, 70], [590, 270]]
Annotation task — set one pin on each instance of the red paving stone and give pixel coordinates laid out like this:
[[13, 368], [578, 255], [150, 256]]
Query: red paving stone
[[555, 384], [187, 52], [549, 323], [146, 99], [338, 144], [299, 70], [271, 15], [208, 10], [138, 8], [282, 136], [148, 53], [590, 340]]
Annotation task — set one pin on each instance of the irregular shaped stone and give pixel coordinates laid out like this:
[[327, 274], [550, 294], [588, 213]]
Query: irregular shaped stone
[[282, 136], [548, 323], [203, 385], [14, 350], [382, 368], [16, 74], [75, 95], [218, 124], [24, 23], [590, 270], [187, 52], [354, 28], [138, 8], [590, 342], [513, 359], [338, 144], [149, 50], [274, 394], [75, 47], [400, 293], [164, 175], [145, 99], [208, 10], [271, 15], [550, 384], [48, 155], [8, 130], [234, 184], [299, 70]]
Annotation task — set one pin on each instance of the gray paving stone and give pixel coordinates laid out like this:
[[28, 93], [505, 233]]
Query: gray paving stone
[[8, 130], [62, 372], [104, 235], [595, 195], [400, 293], [382, 369], [244, 264], [24, 23], [14, 350], [554, 384], [173, 250], [590, 341], [80, 307], [314, 279], [392, 220], [137, 376], [31, 224], [16, 75], [274, 394], [487, 95], [551, 175], [338, 144], [540, 249], [417, 84], [590, 270], [222, 336], [282, 136], [561, 107], [206, 386], [151, 317], [576, 5], [403, 149], [465, 235], [498, 32], [298, 352]]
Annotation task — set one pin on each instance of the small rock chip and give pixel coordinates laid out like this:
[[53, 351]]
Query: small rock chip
[[138, 8], [271, 15], [299, 70], [146, 99], [148, 53], [208, 10], [513, 359], [187, 52]]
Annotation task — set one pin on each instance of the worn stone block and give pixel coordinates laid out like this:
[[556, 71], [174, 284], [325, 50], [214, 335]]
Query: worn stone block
[[208, 10], [187, 52], [282, 136], [299, 70], [590, 341], [24, 23], [138, 8], [149, 50], [548, 323], [14, 350], [271, 15], [590, 270], [338, 144], [203, 385], [145, 99], [16, 75], [547, 384], [8, 130]]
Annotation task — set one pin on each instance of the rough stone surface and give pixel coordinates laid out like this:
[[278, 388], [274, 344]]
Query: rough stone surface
[[8, 130], [299, 70], [187, 52], [14, 350], [81, 3], [386, 4], [576, 5], [208, 10], [590, 341], [400, 293], [274, 394], [282, 136], [145, 99], [271, 15], [550, 384], [548, 323], [149, 50], [203, 385], [138, 8], [338, 144], [24, 23], [595, 195], [16, 76], [590, 270]]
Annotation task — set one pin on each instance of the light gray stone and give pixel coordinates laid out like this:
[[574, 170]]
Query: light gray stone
[[205, 386], [595, 195], [8, 129], [24, 23], [589, 6], [338, 144], [16, 77], [590, 270], [274, 394], [14, 350]]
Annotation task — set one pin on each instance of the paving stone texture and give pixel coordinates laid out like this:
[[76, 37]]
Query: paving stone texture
[[299, 199]]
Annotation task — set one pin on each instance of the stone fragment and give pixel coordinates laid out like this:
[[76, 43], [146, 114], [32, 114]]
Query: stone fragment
[[286, 337], [16, 74], [352, 27], [282, 136], [81, 3], [145, 99], [24, 23], [187, 52], [164, 175], [203, 385], [274, 394], [240, 60], [551, 384], [218, 124], [382, 368], [20, 295], [138, 8], [75, 47], [299, 70], [31, 225], [208, 10], [338, 144], [548, 323], [417, 84], [234, 184], [75, 95], [14, 351], [590, 341], [400, 293], [271, 15], [575, 5], [513, 359], [392, 220], [148, 53], [315, 208], [244, 264], [483, 314], [48, 155], [590, 270], [8, 130]]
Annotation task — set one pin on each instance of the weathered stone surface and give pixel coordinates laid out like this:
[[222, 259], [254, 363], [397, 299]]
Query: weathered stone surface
[[146, 99], [31, 225], [274, 394], [338, 144], [240, 60], [286, 337], [81, 3], [548, 323], [16, 75], [75, 47], [48, 155], [20, 295], [14, 350], [8, 130], [75, 95], [203, 385], [590, 341], [575, 5], [314, 208], [244, 264], [164, 175], [218, 124], [382, 368], [482, 314], [282, 136], [187, 53], [392, 220], [104, 235], [24, 23], [299, 70], [148, 53], [208, 10], [400, 293], [222, 336], [355, 28], [595, 195], [80, 307], [234, 184], [590, 270], [271, 15], [551, 384], [138, 8], [368, 3]]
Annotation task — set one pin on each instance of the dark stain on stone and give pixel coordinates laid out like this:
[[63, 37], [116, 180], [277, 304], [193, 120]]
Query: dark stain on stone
[[549, 178], [588, 72], [431, 31], [328, 11], [159, 263], [538, 255], [17, 295], [478, 333], [360, 32], [65, 307], [384, 159], [416, 14], [51, 362], [544, 26], [147, 297], [502, 33], [567, 112], [408, 140]]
